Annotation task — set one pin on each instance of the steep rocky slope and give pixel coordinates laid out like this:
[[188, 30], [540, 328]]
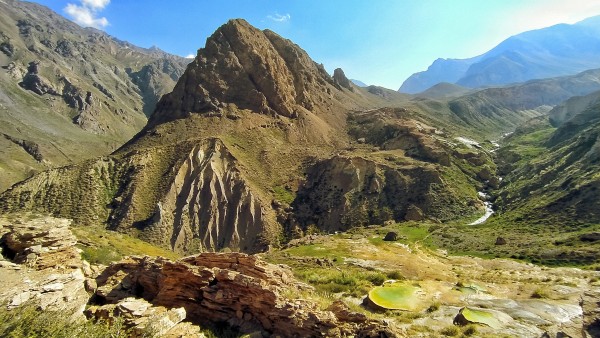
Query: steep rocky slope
[[69, 93], [548, 52]]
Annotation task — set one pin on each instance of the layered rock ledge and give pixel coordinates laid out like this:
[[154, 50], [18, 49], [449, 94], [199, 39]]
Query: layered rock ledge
[[238, 289]]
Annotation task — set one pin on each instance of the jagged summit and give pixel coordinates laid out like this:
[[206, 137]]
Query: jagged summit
[[252, 69], [340, 79]]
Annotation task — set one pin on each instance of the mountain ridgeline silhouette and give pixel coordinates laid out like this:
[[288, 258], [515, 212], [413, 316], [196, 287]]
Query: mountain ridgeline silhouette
[[558, 50]]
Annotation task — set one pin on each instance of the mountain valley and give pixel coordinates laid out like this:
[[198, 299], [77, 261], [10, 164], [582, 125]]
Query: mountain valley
[[250, 192]]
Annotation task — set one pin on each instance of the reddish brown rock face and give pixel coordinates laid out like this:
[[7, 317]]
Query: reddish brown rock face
[[238, 289]]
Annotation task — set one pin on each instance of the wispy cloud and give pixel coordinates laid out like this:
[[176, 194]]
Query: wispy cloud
[[86, 13], [190, 56], [279, 18]]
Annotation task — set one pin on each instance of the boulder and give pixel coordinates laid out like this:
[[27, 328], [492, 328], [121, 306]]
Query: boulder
[[500, 241], [391, 236], [52, 278], [143, 319]]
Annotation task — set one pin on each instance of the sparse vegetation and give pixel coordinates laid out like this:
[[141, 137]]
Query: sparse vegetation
[[470, 330], [27, 321], [104, 246], [433, 307], [450, 331], [540, 294]]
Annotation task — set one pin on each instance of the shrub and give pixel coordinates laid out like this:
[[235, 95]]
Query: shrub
[[395, 274], [433, 307], [539, 294], [375, 278], [450, 331], [27, 321], [470, 330]]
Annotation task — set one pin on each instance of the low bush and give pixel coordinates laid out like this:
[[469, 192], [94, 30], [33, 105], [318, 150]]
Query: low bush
[[28, 321]]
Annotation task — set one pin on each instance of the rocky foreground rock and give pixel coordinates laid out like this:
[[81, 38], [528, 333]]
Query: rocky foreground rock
[[167, 298], [46, 268], [238, 289]]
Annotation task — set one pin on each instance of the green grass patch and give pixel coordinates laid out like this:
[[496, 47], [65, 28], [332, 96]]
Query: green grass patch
[[284, 195], [350, 281], [104, 246], [336, 250]]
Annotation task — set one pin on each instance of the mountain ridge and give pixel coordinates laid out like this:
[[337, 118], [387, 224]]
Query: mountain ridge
[[84, 92], [548, 52]]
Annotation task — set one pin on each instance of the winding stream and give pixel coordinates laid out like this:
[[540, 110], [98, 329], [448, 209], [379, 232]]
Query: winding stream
[[489, 209]]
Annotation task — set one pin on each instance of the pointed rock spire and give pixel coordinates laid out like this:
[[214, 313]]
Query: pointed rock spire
[[251, 69]]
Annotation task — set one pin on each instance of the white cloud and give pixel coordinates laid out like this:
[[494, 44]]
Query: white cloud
[[95, 4], [190, 56], [86, 14], [280, 18]]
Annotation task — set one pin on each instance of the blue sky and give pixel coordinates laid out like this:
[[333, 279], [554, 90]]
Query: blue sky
[[379, 42]]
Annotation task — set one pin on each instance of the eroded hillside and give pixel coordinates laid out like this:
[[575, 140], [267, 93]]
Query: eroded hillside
[[69, 93]]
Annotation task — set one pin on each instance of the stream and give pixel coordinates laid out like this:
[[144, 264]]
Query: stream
[[489, 209]]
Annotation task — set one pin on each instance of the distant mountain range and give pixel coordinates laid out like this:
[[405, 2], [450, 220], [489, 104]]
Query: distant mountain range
[[359, 83], [558, 50]]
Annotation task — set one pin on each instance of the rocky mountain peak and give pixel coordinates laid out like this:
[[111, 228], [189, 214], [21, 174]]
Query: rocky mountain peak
[[251, 69], [340, 79]]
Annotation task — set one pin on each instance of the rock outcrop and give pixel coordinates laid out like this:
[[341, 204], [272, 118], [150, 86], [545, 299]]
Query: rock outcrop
[[155, 296], [345, 192], [341, 80], [30, 147], [591, 313], [41, 243], [251, 69], [41, 266], [143, 319], [236, 289], [390, 129], [35, 82]]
